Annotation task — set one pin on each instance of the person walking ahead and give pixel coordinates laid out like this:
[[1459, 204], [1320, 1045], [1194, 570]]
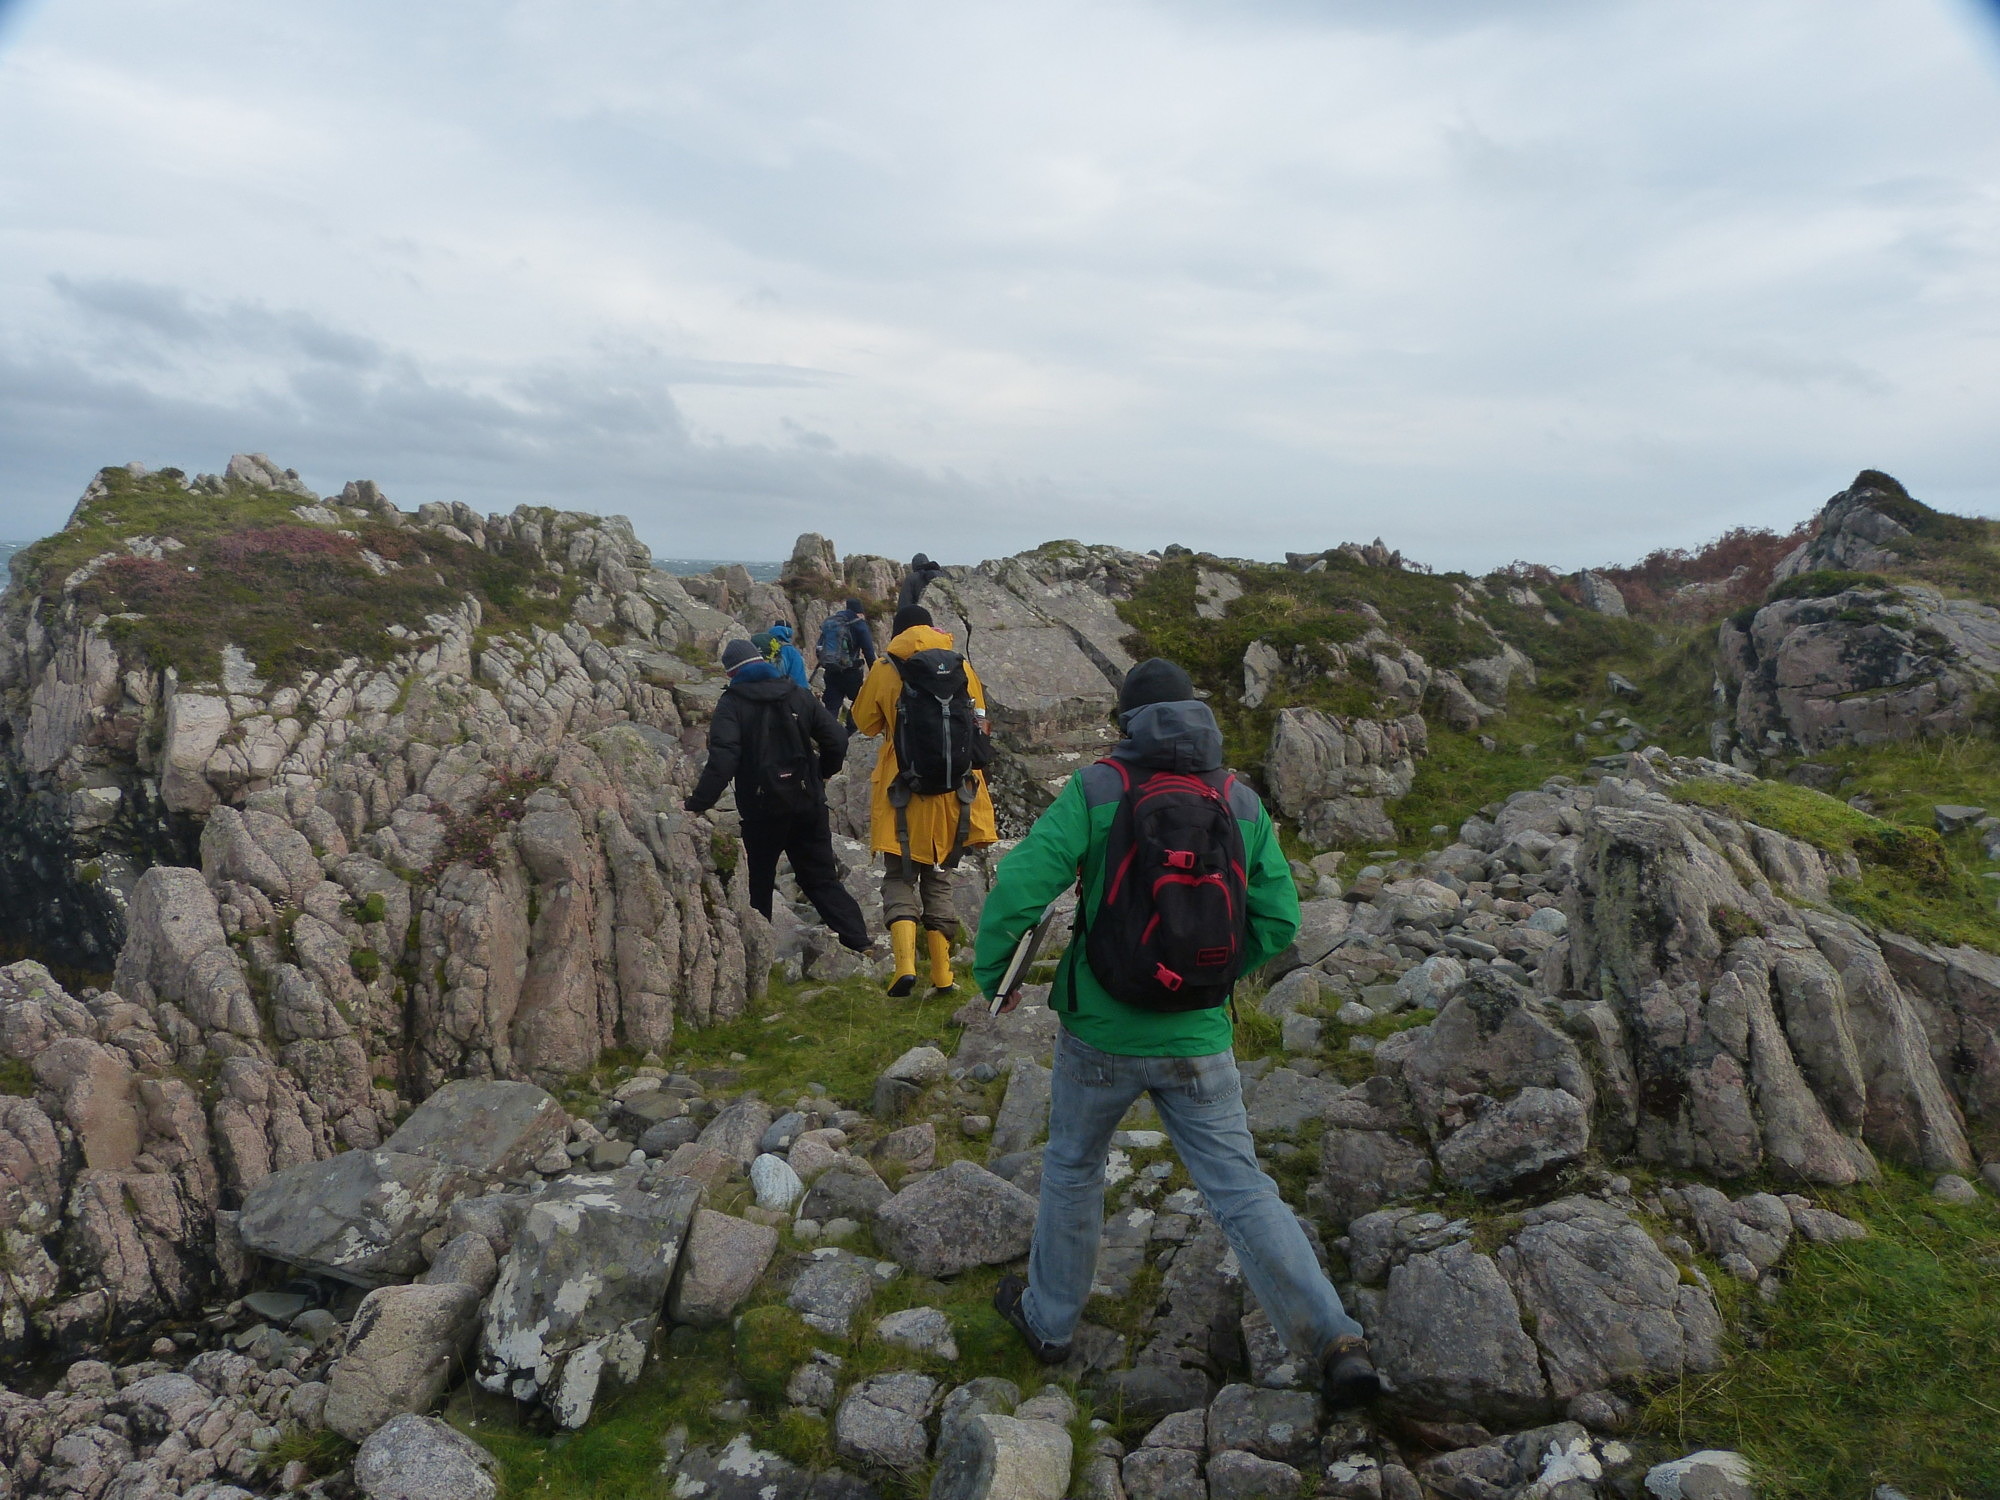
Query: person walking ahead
[[1184, 888], [923, 573], [776, 646], [929, 802], [779, 744], [846, 651]]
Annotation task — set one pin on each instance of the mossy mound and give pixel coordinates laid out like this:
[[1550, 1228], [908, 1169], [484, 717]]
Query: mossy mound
[[294, 595]]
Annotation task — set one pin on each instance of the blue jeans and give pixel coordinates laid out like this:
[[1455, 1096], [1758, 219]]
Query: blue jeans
[[1200, 1101]]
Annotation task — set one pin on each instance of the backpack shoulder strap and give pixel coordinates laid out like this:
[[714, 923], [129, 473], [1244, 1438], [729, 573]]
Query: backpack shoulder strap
[[1246, 804], [1104, 781]]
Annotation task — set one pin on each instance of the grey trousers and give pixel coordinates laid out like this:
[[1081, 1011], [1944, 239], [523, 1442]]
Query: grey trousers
[[924, 896]]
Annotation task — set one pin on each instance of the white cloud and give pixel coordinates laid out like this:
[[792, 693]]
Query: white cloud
[[1562, 280]]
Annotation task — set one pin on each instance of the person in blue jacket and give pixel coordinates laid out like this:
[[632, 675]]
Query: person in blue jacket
[[776, 644]]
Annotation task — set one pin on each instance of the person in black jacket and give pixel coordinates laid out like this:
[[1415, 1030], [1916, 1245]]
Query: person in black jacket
[[923, 572], [779, 744]]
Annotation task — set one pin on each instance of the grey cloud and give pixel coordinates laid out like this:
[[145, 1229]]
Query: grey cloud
[[558, 436], [1565, 280], [174, 315]]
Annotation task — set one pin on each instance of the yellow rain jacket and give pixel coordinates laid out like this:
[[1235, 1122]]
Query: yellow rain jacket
[[933, 819]]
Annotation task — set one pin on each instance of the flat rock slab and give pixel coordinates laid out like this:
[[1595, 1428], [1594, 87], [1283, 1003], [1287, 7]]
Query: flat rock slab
[[720, 1264], [421, 1458], [1164, 1474], [740, 1471], [956, 1218], [1028, 1031], [1279, 1425], [580, 1293], [995, 1457], [830, 1289], [881, 1423], [483, 1125], [1520, 1142], [402, 1347], [358, 1217], [736, 1132], [1609, 1307], [1282, 1101], [849, 1189], [1149, 1392], [1024, 1113], [1449, 1335], [1236, 1475]]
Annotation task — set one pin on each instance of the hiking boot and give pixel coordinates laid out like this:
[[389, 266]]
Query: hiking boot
[[903, 943], [1347, 1375], [941, 977], [1007, 1303]]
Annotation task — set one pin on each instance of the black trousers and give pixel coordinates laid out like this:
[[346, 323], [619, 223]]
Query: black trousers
[[842, 685], [807, 840]]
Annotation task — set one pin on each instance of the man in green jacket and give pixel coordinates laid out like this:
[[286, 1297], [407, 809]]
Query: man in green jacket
[[1108, 1053]]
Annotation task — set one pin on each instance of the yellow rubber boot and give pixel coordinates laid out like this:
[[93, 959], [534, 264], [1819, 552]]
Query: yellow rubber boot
[[903, 944], [940, 961]]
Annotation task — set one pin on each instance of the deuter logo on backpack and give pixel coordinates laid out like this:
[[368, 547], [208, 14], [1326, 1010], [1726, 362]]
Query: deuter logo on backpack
[[836, 641], [939, 741], [1171, 929]]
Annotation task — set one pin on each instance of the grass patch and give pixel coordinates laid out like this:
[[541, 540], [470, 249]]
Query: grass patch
[[293, 595], [1460, 775], [16, 1078], [322, 1450], [1879, 1363], [619, 1453], [1910, 881], [1823, 583], [1356, 1067], [838, 1035], [1292, 611]]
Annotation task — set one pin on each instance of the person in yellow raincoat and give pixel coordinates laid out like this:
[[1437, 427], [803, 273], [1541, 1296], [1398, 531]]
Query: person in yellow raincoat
[[917, 882]]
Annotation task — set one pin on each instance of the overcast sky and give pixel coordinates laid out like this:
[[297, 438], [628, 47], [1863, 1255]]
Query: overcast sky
[[1554, 280]]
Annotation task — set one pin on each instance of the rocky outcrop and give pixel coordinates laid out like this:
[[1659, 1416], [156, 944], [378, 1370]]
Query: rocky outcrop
[[1859, 660], [1852, 530], [1331, 776], [1746, 1032], [1044, 632], [437, 886], [1856, 666]]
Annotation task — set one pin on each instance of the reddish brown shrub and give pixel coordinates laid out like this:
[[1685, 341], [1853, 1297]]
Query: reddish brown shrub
[[1710, 581]]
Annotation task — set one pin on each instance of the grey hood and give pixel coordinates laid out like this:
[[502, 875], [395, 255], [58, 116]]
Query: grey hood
[[1171, 737]]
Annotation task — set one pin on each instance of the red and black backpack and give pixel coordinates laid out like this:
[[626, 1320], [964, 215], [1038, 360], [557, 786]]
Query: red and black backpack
[[1172, 929]]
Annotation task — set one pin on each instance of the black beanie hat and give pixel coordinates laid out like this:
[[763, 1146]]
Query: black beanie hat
[[1154, 681], [737, 652], [908, 615], [854, 605]]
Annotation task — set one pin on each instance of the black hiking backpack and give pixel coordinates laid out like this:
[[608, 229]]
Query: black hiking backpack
[[786, 779], [939, 742], [1171, 931]]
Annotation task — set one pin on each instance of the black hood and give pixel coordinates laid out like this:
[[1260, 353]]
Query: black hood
[[765, 689], [1171, 737]]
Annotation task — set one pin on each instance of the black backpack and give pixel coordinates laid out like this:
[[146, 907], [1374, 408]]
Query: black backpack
[[786, 778], [1172, 928], [939, 743]]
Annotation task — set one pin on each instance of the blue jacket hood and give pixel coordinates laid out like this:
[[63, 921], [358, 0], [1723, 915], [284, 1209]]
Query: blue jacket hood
[[1171, 737], [755, 671]]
